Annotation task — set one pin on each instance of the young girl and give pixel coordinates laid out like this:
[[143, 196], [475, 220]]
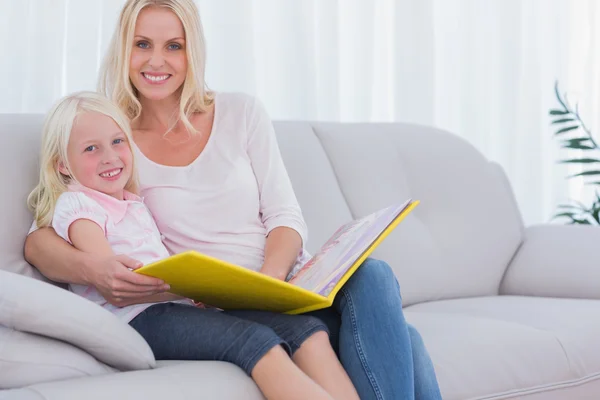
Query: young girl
[[87, 193]]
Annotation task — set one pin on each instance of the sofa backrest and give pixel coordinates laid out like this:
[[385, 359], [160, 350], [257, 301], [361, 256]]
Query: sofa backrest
[[456, 243], [19, 154]]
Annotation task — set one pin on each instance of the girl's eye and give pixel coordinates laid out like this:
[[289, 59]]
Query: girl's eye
[[174, 46], [118, 141], [143, 44], [90, 148]]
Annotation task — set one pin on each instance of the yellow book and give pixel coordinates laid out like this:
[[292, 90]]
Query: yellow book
[[313, 286]]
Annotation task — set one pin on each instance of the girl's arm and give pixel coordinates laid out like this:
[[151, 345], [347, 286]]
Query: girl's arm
[[61, 262], [279, 207], [88, 237]]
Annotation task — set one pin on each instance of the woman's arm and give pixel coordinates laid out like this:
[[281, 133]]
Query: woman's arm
[[57, 259], [110, 274], [281, 251], [279, 207]]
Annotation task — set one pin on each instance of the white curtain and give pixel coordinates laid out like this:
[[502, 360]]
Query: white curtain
[[483, 69]]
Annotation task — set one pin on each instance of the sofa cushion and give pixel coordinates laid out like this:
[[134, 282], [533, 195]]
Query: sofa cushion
[[33, 306], [319, 195], [556, 261], [456, 243], [26, 358], [184, 380], [20, 152], [505, 347]]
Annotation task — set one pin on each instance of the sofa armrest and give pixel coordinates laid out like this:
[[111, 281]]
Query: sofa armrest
[[556, 261]]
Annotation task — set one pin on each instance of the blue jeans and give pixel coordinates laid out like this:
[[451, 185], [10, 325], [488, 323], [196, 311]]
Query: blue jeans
[[384, 356], [183, 332]]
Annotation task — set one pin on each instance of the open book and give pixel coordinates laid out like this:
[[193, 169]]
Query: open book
[[312, 287]]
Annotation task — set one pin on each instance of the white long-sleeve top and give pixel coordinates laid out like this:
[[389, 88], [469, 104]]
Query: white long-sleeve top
[[228, 199]]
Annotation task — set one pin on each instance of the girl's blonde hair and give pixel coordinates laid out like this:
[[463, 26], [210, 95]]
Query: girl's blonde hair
[[114, 79], [56, 133]]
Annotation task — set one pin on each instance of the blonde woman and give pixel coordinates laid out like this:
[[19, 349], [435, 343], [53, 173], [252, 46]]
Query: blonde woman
[[213, 177], [87, 193]]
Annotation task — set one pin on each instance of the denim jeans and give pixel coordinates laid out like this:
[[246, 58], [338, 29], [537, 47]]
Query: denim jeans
[[183, 332], [384, 356]]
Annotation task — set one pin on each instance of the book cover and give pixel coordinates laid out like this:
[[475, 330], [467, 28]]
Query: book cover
[[313, 286]]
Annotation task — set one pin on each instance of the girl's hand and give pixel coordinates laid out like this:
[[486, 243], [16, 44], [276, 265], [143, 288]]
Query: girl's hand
[[114, 278], [198, 304]]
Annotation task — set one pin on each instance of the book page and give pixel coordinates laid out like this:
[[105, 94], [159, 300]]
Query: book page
[[322, 272]]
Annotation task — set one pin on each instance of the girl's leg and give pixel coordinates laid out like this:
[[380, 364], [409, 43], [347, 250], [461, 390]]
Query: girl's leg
[[181, 332], [279, 378], [311, 349], [318, 360]]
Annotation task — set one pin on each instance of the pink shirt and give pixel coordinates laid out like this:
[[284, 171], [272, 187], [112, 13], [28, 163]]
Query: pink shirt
[[226, 201], [127, 225]]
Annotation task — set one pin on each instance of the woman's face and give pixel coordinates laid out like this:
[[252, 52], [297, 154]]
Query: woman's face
[[158, 63]]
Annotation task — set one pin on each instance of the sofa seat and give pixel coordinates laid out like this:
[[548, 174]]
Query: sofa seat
[[507, 347], [169, 380]]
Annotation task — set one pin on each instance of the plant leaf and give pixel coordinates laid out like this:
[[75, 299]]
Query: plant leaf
[[586, 173], [577, 144], [562, 120], [567, 206], [579, 147], [581, 221], [565, 214], [596, 214], [559, 112], [567, 129], [579, 161], [576, 140]]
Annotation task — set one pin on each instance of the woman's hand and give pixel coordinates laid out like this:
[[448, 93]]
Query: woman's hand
[[276, 273], [114, 278]]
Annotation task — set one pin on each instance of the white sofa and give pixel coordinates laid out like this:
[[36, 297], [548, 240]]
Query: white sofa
[[506, 311]]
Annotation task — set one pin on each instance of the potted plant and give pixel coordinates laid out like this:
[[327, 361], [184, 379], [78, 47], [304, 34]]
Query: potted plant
[[574, 135]]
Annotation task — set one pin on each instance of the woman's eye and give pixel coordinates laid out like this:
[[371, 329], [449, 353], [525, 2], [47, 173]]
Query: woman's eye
[[90, 148], [174, 46], [143, 45], [118, 141]]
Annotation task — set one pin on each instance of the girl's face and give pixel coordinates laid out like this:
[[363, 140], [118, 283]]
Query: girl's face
[[99, 156], [158, 63]]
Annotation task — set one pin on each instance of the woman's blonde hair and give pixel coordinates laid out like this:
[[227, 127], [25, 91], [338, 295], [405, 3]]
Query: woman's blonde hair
[[55, 139], [114, 79]]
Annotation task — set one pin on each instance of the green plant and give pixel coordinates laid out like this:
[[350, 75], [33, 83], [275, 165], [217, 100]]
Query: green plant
[[574, 135]]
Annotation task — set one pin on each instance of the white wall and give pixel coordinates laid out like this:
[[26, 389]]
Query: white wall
[[482, 69]]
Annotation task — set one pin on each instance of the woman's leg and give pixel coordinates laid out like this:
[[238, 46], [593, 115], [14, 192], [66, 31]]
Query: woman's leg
[[310, 347], [374, 342], [426, 385], [182, 332]]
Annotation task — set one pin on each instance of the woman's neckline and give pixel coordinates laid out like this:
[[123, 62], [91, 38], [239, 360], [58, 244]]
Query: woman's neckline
[[200, 156]]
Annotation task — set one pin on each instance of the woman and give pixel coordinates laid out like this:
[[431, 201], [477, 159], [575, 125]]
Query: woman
[[212, 175]]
